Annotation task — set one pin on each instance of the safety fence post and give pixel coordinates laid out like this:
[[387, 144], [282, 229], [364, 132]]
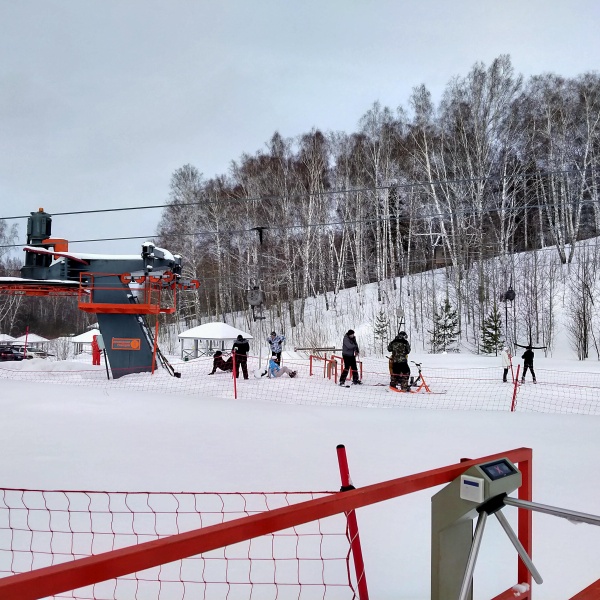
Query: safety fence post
[[525, 517], [359, 565]]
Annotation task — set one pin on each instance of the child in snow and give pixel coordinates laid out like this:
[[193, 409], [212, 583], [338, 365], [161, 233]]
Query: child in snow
[[275, 370]]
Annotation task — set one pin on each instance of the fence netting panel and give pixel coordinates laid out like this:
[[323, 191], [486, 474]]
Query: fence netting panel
[[566, 392], [43, 528]]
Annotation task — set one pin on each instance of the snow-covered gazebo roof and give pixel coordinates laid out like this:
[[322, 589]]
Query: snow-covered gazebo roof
[[213, 331], [85, 338], [4, 337], [31, 338]]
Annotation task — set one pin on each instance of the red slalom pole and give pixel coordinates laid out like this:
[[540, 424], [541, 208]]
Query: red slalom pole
[[513, 405], [234, 376], [359, 565]]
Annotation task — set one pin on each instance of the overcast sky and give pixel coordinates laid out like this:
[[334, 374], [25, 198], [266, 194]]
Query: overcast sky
[[101, 100]]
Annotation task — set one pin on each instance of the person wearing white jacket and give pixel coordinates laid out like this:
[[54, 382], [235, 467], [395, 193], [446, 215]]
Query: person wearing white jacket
[[506, 362]]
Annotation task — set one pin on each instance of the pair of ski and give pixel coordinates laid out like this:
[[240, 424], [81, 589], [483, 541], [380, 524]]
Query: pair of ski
[[409, 391], [393, 389]]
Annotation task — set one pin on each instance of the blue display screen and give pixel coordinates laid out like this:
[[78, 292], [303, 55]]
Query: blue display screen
[[498, 469]]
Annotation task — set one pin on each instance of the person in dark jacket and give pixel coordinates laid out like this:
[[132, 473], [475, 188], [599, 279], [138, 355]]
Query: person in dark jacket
[[219, 363], [350, 351], [528, 364], [241, 347], [400, 371]]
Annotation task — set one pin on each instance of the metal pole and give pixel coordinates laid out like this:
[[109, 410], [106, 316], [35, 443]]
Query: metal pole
[[506, 320], [512, 536], [563, 513], [353, 535], [477, 537]]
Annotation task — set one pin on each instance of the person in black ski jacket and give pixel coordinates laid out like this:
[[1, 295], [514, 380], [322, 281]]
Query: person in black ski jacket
[[219, 363], [241, 347], [350, 351], [400, 372], [528, 364]]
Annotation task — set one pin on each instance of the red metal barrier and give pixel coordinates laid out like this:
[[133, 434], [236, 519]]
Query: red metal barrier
[[56, 579], [592, 592], [358, 362], [328, 364], [359, 565]]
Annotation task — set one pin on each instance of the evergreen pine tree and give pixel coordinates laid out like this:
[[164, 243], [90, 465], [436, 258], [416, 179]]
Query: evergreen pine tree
[[491, 332], [381, 328], [445, 329]]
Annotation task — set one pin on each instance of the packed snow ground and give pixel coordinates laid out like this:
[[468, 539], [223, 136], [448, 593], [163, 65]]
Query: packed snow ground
[[78, 437]]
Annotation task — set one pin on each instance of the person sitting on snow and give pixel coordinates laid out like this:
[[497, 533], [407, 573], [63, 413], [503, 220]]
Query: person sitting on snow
[[219, 363], [274, 370]]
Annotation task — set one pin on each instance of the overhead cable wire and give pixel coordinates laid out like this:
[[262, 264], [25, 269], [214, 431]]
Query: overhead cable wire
[[279, 197]]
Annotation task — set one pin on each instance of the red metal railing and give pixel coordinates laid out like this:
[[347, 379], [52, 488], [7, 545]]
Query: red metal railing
[[53, 580]]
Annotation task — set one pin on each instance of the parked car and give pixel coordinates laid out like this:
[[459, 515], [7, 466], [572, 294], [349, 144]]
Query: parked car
[[10, 353], [37, 353], [30, 352]]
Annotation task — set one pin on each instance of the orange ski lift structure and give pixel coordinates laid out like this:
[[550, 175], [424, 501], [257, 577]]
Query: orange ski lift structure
[[149, 294], [122, 290]]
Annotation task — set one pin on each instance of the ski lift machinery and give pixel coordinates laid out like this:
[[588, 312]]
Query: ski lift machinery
[[122, 290]]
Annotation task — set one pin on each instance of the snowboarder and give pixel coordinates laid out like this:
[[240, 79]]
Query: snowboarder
[[219, 363], [275, 341], [528, 364], [400, 349], [241, 347], [276, 371], [506, 362], [350, 351]]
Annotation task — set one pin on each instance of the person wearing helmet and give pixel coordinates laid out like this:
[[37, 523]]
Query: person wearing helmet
[[506, 363], [400, 371]]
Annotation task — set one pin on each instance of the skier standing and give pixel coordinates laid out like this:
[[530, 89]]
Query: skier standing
[[95, 351], [241, 347], [275, 341], [400, 349], [528, 364], [506, 364], [350, 351]]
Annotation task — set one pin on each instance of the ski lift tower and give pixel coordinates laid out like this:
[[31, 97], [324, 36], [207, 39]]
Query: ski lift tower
[[122, 290]]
